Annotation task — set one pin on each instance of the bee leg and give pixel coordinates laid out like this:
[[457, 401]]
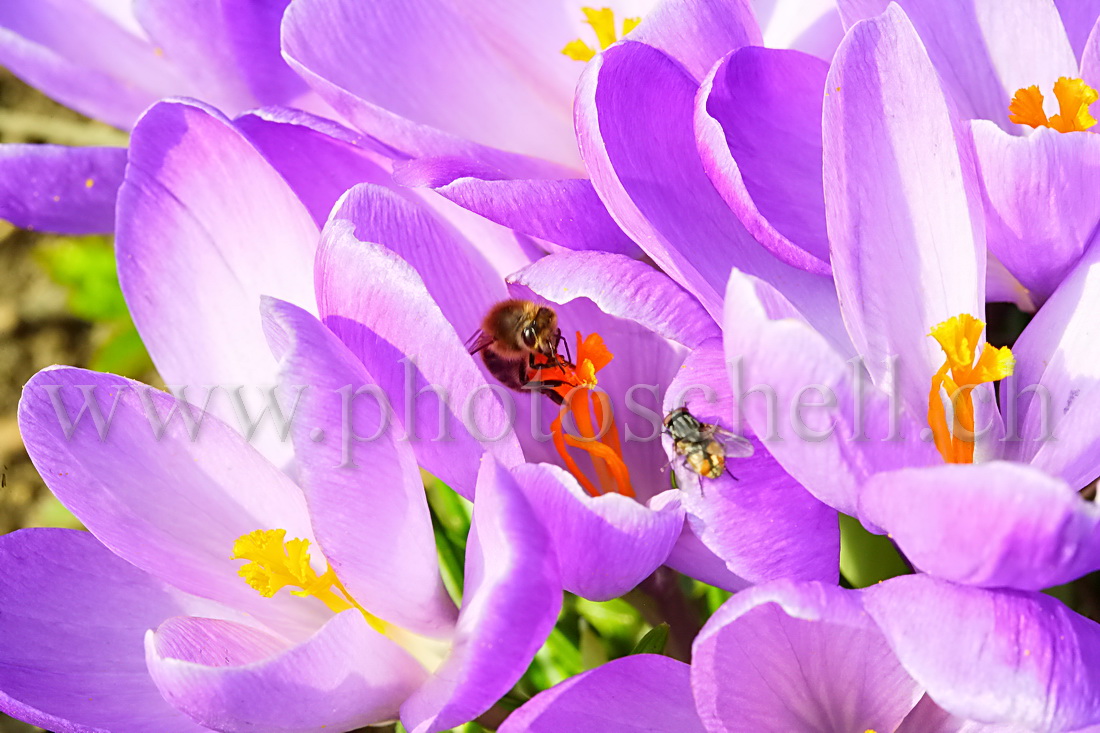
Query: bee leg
[[561, 340], [547, 387]]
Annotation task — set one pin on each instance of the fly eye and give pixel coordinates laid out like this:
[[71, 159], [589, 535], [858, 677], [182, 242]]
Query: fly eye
[[529, 337]]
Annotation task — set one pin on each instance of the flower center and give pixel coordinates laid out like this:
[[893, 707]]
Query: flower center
[[1074, 97], [963, 370], [598, 435], [276, 563], [603, 22]]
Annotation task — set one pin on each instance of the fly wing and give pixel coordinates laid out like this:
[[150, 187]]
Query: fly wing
[[735, 445], [478, 341]]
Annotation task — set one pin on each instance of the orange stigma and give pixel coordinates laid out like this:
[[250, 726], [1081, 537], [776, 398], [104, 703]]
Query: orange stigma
[[959, 338], [1074, 97], [591, 410]]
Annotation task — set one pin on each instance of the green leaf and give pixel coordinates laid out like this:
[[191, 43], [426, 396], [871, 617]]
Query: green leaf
[[653, 642], [614, 618], [593, 651], [865, 558]]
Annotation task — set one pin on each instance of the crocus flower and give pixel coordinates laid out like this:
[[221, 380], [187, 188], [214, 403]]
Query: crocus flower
[[214, 593], [809, 657], [111, 60], [908, 259]]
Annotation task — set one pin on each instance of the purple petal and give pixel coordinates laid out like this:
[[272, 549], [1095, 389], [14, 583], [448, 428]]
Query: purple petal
[[55, 188], [366, 499], [87, 55], [1029, 648], [511, 602], [205, 227], [634, 110], [696, 33], [830, 451], [811, 26], [758, 121], [230, 52], [1090, 56], [379, 306], [993, 524], [984, 52], [691, 557], [429, 78], [903, 209], [786, 657], [319, 166], [345, 676], [1039, 216], [643, 692], [566, 212], [70, 645], [171, 505], [754, 516], [624, 288], [1052, 398], [606, 544], [1078, 17]]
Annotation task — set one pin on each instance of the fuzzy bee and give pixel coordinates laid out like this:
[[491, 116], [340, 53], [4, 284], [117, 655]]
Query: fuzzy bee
[[516, 340]]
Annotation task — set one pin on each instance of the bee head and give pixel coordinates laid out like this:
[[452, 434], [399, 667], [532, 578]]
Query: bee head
[[540, 334]]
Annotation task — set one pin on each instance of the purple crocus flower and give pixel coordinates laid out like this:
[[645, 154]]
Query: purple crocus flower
[[908, 256], [111, 60], [810, 657], [149, 623]]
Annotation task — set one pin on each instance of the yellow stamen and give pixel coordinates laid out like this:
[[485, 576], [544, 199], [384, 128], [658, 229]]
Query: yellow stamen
[[1074, 97], [959, 338], [583, 403], [602, 22], [276, 563]]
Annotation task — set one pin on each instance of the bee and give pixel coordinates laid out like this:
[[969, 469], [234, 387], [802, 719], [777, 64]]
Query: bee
[[516, 340], [696, 441]]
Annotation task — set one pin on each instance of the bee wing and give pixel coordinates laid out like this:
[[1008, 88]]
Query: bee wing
[[478, 341]]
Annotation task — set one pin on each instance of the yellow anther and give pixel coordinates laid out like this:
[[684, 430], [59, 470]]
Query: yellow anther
[[602, 22], [276, 563], [1074, 98], [959, 337]]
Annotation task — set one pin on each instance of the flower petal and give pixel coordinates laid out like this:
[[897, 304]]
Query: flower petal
[[1039, 215], [366, 497], [1033, 651], [993, 524], [758, 120], [829, 450], [1052, 398], [642, 692], [811, 26], [511, 602], [754, 516], [381, 308], [1078, 18], [205, 227], [605, 544], [903, 211], [87, 55], [55, 188], [621, 287], [70, 645], [424, 75], [565, 212], [634, 110], [983, 53], [345, 676], [798, 656], [170, 504], [229, 53], [691, 557], [696, 33]]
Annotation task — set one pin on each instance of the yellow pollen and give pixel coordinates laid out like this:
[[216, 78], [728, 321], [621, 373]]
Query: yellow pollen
[[1074, 97], [88, 183], [960, 337], [598, 437], [276, 563], [602, 22]]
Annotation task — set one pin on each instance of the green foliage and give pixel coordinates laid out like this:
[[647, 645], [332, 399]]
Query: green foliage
[[85, 268], [865, 558], [653, 642]]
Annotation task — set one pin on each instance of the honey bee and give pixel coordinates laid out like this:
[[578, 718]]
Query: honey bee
[[516, 340], [699, 444]]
